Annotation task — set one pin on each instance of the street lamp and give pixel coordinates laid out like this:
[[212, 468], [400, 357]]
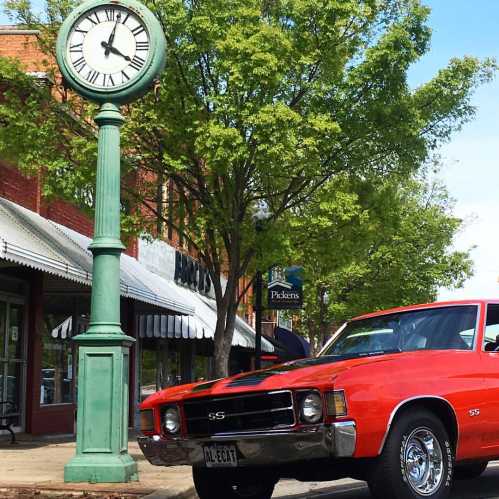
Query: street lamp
[[323, 303], [262, 213]]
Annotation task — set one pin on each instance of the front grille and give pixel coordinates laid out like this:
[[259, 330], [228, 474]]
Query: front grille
[[239, 413]]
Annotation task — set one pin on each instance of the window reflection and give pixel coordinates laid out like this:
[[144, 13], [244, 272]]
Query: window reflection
[[64, 317], [160, 366]]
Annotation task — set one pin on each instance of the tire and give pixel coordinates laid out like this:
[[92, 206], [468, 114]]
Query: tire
[[402, 471], [469, 471], [227, 484]]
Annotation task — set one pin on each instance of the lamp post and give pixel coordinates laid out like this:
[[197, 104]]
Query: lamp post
[[261, 214], [323, 303]]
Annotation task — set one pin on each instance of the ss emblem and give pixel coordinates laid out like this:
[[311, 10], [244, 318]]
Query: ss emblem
[[474, 412], [216, 416]]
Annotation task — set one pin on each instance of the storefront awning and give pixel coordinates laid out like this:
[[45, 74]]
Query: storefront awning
[[201, 325], [296, 346], [28, 239]]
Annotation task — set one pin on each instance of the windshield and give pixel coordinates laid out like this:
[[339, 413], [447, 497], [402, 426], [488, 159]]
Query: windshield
[[428, 329]]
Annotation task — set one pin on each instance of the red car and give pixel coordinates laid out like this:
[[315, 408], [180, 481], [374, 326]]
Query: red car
[[406, 399]]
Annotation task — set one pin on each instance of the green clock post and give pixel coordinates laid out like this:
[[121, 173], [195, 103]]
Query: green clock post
[[110, 53]]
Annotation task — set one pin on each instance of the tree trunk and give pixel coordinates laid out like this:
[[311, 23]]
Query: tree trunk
[[221, 367], [224, 331]]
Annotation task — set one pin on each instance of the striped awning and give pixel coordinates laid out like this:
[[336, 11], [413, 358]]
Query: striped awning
[[29, 239], [201, 325]]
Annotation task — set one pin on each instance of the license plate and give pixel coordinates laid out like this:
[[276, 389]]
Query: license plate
[[220, 456]]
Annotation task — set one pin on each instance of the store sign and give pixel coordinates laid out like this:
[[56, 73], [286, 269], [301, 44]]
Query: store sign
[[285, 289], [191, 273]]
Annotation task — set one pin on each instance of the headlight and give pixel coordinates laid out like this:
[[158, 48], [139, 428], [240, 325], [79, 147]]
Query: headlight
[[171, 420], [311, 408]]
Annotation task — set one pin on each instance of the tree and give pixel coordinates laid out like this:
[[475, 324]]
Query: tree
[[260, 100], [371, 247]]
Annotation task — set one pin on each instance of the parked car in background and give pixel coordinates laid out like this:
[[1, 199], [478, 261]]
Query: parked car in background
[[406, 399]]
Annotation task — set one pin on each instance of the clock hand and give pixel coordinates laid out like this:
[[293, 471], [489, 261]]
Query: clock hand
[[111, 36], [114, 50]]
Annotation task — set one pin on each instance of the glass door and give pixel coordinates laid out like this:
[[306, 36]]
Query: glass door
[[12, 358]]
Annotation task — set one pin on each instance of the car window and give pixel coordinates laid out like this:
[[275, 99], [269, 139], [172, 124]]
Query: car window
[[442, 328], [491, 336]]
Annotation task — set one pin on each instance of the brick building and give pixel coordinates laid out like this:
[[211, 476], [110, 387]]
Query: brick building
[[45, 284]]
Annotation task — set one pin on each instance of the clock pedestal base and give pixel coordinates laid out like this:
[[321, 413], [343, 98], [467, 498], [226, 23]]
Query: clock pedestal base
[[102, 423], [95, 468]]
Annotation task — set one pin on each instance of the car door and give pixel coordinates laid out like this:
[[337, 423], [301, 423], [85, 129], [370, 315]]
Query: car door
[[489, 418]]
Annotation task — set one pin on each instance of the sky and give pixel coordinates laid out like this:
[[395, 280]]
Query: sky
[[471, 159]]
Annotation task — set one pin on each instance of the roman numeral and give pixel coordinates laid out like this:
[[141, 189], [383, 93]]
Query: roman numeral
[[92, 76], [79, 64], [137, 62], [110, 14], [107, 80], [139, 46], [78, 30], [126, 18], [124, 77], [138, 30], [76, 48], [96, 17]]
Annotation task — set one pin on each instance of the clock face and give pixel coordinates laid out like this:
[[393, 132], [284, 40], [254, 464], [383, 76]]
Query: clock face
[[108, 47]]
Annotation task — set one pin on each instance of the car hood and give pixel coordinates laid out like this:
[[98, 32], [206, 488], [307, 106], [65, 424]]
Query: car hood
[[303, 373]]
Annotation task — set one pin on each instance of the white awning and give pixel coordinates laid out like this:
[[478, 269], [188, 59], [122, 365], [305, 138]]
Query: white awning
[[201, 325], [28, 239]]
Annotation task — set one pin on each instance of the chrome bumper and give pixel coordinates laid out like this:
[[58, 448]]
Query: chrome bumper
[[258, 449]]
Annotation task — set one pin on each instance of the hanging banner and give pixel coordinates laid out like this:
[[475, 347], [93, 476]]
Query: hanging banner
[[285, 289]]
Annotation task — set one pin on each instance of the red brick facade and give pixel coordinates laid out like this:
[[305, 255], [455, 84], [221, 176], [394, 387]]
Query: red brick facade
[[23, 190], [22, 47]]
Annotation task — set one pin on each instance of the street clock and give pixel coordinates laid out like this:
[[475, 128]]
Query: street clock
[[111, 51]]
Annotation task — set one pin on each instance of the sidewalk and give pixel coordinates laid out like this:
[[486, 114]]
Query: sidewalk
[[37, 465], [34, 469]]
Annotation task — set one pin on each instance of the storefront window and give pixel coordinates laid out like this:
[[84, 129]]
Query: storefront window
[[14, 341], [3, 320], [160, 366], [202, 368], [63, 318], [11, 357], [148, 375]]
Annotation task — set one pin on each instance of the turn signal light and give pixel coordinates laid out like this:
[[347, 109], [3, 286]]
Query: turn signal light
[[146, 420], [336, 403]]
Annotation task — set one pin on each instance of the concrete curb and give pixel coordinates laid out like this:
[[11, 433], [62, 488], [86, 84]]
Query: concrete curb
[[190, 493], [97, 490], [74, 489]]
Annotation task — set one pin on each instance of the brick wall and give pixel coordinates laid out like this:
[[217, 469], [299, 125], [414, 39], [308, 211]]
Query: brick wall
[[20, 189], [68, 215], [22, 46], [26, 191], [23, 190]]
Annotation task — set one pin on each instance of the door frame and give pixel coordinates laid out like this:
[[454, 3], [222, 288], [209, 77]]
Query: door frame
[[11, 298]]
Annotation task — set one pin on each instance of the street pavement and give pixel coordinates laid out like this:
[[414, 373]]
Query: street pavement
[[485, 487], [33, 469]]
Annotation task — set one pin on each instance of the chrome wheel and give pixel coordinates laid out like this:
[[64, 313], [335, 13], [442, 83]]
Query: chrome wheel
[[422, 464]]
